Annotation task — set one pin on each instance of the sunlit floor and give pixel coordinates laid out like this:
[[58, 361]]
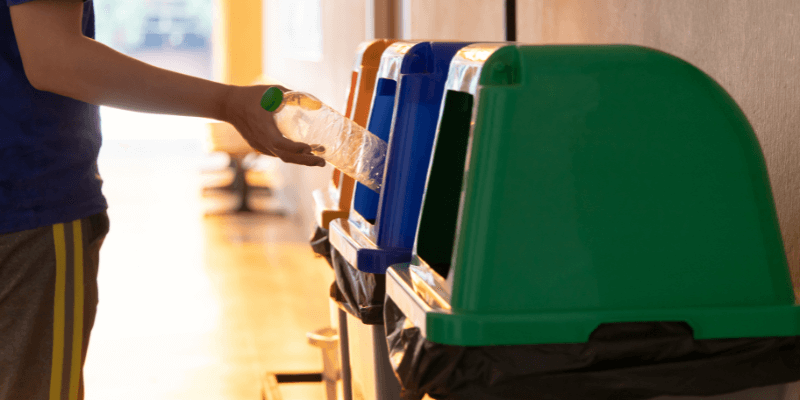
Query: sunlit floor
[[195, 307]]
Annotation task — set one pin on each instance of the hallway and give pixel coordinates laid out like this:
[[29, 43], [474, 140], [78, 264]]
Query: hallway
[[195, 307]]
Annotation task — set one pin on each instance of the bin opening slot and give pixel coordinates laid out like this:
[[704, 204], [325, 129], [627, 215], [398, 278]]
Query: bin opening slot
[[365, 201], [437, 226], [640, 331]]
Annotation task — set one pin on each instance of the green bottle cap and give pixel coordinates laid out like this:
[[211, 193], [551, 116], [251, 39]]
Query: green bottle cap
[[271, 99]]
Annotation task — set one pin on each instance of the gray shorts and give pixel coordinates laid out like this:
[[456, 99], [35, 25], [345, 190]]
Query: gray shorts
[[48, 301]]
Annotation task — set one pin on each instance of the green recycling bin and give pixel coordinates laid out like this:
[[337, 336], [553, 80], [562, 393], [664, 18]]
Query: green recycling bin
[[585, 195]]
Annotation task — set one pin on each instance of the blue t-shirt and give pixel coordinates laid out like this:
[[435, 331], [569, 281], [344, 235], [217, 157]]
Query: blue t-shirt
[[48, 144]]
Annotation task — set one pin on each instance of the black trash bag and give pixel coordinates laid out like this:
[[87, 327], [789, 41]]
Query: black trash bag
[[359, 293], [624, 361], [320, 244]]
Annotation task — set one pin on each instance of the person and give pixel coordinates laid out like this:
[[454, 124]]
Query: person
[[53, 77]]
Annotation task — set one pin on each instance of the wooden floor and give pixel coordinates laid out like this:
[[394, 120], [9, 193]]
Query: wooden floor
[[194, 306]]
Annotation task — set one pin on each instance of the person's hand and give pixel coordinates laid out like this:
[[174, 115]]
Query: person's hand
[[257, 126]]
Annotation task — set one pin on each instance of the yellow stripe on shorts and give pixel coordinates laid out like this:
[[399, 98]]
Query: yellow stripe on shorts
[[58, 312], [77, 316]]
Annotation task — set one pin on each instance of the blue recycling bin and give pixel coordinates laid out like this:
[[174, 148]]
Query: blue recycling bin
[[405, 112], [381, 228]]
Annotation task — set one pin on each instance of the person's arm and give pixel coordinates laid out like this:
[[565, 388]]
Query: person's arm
[[58, 58]]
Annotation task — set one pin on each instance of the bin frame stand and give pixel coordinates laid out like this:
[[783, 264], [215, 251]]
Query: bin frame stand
[[334, 202], [614, 104]]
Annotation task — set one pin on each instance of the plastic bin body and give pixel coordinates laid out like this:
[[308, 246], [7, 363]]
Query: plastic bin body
[[408, 95], [334, 202], [606, 184], [597, 223]]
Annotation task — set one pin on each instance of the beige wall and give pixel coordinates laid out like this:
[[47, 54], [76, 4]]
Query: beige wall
[[343, 28], [752, 48], [237, 41], [466, 20]]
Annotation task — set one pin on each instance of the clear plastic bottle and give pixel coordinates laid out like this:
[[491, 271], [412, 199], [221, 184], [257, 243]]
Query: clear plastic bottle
[[340, 141]]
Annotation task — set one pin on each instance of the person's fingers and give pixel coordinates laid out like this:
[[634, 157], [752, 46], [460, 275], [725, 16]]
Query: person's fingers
[[301, 159]]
